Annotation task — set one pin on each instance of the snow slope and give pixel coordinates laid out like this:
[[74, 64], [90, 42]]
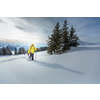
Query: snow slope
[[81, 65]]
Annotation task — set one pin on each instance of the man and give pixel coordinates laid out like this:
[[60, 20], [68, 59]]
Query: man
[[31, 51]]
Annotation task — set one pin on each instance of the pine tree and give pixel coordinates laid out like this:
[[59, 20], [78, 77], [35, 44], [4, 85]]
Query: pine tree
[[50, 44], [20, 51], [0, 51], [73, 37], [65, 37], [54, 42], [8, 51], [23, 51], [58, 39], [3, 51], [15, 51]]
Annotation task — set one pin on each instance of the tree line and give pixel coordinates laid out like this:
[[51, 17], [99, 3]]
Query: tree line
[[61, 39], [20, 51], [7, 51]]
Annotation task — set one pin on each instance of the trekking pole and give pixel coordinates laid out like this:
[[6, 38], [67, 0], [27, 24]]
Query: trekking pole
[[35, 55], [27, 57]]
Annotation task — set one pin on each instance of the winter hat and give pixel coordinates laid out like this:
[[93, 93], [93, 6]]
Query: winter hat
[[32, 44]]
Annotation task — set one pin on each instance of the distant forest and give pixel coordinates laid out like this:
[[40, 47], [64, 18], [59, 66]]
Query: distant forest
[[21, 50]]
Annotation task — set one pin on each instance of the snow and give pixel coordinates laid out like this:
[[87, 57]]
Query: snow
[[13, 52], [80, 65]]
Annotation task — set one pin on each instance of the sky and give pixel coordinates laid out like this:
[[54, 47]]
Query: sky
[[27, 30]]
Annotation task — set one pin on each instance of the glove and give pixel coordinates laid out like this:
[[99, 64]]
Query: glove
[[28, 54]]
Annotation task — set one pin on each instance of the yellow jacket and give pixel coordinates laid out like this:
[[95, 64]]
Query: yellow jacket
[[31, 49]]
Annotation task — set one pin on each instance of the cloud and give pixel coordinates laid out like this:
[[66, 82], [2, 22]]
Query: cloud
[[39, 23], [34, 27], [19, 27], [25, 29], [9, 40], [87, 28], [42, 25]]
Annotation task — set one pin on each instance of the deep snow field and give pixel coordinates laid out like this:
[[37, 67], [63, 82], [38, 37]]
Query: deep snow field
[[80, 65]]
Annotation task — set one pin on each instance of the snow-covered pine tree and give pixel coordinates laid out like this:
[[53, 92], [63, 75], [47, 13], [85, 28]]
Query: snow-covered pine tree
[[58, 36], [23, 51], [3, 51], [51, 44], [54, 42], [65, 37], [15, 51], [0, 51], [73, 37], [20, 51], [8, 51]]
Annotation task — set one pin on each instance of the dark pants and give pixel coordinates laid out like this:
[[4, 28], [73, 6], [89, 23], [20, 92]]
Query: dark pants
[[32, 55]]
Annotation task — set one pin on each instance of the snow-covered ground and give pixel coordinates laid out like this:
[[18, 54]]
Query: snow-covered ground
[[81, 65]]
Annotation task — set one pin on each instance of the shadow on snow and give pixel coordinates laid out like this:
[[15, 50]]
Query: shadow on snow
[[11, 59], [57, 66]]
